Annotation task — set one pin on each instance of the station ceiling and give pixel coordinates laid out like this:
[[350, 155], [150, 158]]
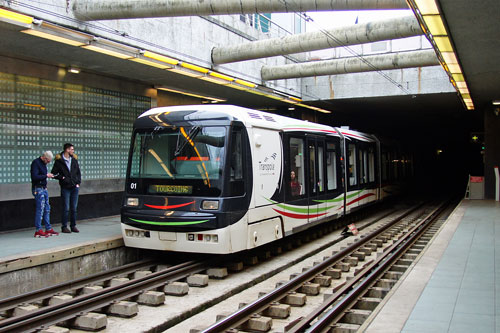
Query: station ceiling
[[473, 26]]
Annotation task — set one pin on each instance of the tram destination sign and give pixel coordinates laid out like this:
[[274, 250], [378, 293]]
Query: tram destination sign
[[171, 189]]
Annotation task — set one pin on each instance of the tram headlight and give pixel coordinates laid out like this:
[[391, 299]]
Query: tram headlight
[[210, 205], [133, 202]]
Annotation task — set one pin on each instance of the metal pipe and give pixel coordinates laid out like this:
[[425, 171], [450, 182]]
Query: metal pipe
[[121, 9], [406, 26], [351, 65]]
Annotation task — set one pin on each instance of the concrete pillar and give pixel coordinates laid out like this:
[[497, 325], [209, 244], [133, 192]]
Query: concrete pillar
[[402, 27], [351, 65], [121, 9]]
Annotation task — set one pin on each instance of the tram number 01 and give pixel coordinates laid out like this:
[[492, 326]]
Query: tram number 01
[[133, 186]]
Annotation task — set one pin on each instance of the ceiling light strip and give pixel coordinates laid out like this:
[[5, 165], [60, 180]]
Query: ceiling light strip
[[75, 38], [429, 16], [16, 17]]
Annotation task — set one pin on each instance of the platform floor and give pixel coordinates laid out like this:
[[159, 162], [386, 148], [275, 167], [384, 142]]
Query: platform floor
[[19, 249], [453, 286]]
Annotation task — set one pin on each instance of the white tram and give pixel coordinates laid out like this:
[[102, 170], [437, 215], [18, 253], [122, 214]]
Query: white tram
[[222, 179]]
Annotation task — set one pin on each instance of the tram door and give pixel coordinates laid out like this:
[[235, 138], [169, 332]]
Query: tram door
[[316, 178]]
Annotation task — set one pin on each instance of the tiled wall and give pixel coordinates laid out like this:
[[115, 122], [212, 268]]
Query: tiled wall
[[38, 115]]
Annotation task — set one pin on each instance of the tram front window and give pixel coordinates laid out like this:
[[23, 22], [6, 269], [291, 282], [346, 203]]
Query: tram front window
[[182, 156]]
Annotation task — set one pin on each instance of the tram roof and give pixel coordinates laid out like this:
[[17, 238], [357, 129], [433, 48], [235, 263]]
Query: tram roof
[[256, 118]]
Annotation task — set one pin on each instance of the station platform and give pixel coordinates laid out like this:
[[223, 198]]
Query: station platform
[[455, 284], [19, 249]]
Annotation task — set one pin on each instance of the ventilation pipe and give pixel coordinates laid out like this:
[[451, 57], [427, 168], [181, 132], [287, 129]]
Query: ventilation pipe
[[89, 10], [394, 28], [387, 61]]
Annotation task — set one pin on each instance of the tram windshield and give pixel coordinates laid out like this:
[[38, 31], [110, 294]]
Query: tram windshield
[[182, 160]]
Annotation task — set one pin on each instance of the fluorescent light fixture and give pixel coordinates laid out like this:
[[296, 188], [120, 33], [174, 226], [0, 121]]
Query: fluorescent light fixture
[[107, 51], [7, 15], [159, 57], [110, 48], [177, 91], [443, 44], [435, 25], [449, 57], [195, 68], [74, 70], [313, 108], [496, 102], [55, 38], [222, 76], [215, 80], [426, 7], [431, 20], [150, 63], [59, 34], [454, 68], [185, 72], [279, 98], [246, 83], [458, 77], [235, 86], [289, 101]]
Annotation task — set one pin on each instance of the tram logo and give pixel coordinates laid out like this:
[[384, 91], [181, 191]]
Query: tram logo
[[268, 166]]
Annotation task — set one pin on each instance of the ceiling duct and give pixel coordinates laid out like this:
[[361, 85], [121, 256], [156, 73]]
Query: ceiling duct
[[89, 10], [393, 28], [421, 58]]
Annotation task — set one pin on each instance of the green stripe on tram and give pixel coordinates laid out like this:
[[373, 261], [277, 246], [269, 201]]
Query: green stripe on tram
[[341, 198], [302, 210], [169, 223]]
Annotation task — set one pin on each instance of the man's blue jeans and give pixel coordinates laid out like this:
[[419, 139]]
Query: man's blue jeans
[[42, 208], [70, 202]]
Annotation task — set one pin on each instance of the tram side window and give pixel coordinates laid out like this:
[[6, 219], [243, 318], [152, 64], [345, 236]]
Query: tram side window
[[236, 170], [352, 165], [312, 169], [371, 165], [363, 166], [321, 171], [297, 167], [331, 167]]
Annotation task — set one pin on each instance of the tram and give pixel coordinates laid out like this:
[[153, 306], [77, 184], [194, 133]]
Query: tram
[[222, 179]]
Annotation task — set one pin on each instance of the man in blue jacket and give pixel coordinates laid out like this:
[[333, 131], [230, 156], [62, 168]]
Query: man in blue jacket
[[67, 171], [39, 177]]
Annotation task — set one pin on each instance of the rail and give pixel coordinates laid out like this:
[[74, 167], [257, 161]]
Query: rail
[[85, 303], [242, 315]]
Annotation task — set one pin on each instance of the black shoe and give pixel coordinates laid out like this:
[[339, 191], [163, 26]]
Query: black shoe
[[65, 230], [74, 229]]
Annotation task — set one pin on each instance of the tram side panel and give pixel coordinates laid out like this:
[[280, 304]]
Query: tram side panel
[[264, 224]]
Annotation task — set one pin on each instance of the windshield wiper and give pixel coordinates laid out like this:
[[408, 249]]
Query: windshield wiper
[[188, 137]]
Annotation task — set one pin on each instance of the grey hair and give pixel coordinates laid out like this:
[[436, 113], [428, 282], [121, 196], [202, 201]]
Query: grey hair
[[48, 154]]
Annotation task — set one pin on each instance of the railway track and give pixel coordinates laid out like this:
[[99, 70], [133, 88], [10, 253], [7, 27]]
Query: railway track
[[94, 297], [100, 299], [372, 265]]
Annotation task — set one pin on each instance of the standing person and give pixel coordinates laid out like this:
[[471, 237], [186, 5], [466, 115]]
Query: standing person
[[67, 170], [39, 177]]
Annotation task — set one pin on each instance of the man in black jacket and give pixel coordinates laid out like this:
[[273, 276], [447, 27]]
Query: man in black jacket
[[67, 171]]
